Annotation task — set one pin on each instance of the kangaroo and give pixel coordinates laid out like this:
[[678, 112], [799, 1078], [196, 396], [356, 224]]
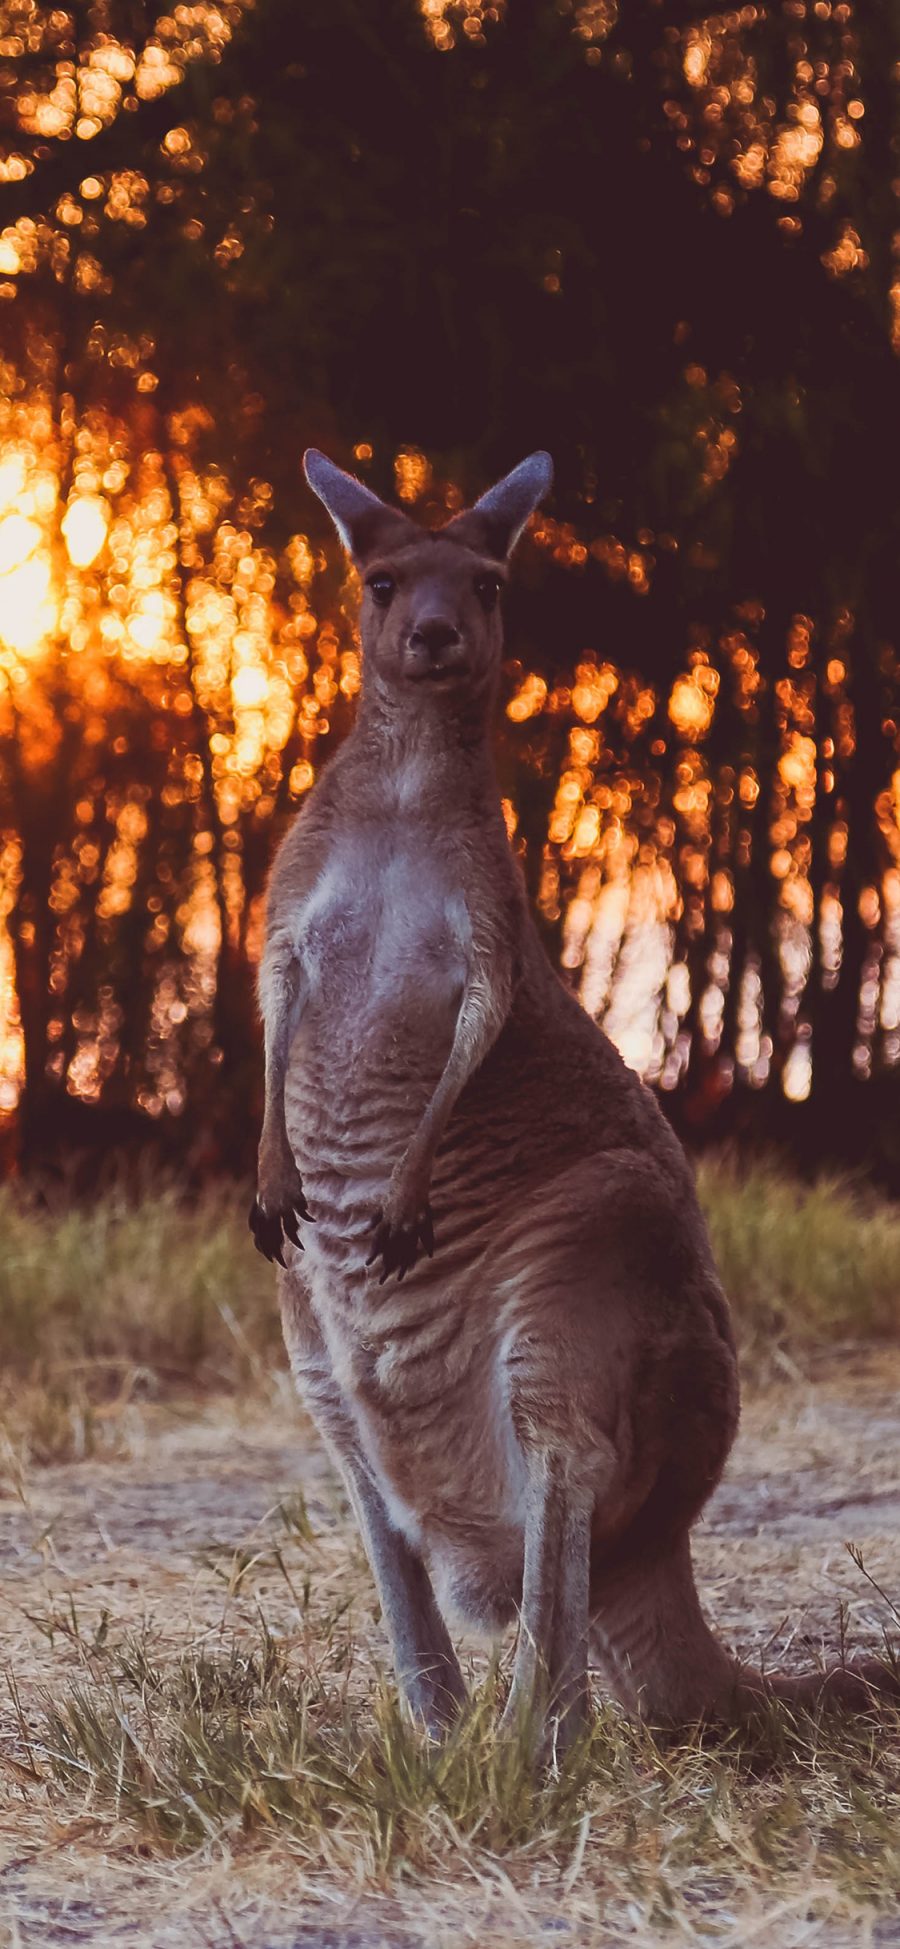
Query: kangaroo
[[498, 1294]]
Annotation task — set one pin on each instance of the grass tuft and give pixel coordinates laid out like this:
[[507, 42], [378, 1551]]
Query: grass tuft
[[802, 1264], [107, 1303], [216, 1747], [239, 1742]]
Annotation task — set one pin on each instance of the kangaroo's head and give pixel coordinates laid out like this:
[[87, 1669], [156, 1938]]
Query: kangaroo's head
[[431, 624]]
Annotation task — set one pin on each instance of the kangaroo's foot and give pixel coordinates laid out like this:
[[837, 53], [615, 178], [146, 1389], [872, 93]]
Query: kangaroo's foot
[[279, 1205], [401, 1228]]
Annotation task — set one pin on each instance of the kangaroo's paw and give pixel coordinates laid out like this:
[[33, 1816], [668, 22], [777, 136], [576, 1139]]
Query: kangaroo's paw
[[276, 1210], [398, 1238]]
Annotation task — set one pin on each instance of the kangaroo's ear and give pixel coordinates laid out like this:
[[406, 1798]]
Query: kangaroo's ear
[[495, 523], [362, 521]]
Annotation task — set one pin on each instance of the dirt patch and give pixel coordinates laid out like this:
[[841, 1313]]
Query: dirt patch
[[219, 1516]]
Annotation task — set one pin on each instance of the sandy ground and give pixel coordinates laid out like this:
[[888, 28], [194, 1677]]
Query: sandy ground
[[184, 1536]]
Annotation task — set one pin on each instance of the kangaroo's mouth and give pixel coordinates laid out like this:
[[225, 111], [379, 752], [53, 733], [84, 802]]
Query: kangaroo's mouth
[[423, 671]]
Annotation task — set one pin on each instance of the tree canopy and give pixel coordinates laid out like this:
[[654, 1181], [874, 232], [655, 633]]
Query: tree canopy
[[658, 241]]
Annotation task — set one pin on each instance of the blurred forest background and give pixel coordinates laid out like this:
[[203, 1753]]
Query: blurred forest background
[[429, 236]]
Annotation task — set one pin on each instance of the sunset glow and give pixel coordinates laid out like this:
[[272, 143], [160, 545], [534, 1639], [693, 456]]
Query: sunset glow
[[178, 654], [84, 529]]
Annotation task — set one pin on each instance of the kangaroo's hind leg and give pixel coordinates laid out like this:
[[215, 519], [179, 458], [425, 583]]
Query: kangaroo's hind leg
[[427, 1668], [550, 1677], [617, 1360], [651, 1639], [570, 1466], [648, 1626], [426, 1664]]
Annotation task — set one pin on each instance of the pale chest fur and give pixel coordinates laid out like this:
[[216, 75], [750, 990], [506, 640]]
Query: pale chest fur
[[383, 932]]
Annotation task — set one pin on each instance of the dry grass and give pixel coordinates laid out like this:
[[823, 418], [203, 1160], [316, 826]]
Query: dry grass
[[217, 1746], [216, 1703], [133, 1297], [120, 1300], [803, 1264], [227, 1703], [272, 1741]]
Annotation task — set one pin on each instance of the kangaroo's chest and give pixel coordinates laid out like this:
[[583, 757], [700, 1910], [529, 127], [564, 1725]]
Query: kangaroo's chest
[[384, 933]]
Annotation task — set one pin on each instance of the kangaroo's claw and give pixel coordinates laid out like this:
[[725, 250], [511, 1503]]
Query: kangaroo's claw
[[271, 1228], [289, 1220], [397, 1244]]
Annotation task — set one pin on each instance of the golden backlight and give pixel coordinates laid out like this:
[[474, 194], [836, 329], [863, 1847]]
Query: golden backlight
[[180, 672]]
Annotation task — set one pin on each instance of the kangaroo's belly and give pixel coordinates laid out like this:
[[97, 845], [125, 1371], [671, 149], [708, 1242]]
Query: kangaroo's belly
[[420, 1369], [351, 1108], [419, 1364]]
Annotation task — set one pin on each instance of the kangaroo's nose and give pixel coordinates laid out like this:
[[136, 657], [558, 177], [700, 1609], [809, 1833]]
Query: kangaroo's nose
[[434, 636]]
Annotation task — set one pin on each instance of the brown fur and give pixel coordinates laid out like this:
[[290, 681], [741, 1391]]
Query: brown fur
[[530, 1421]]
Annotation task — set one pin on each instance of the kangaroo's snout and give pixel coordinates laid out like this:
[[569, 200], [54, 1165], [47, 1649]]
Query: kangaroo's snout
[[432, 647], [434, 636]]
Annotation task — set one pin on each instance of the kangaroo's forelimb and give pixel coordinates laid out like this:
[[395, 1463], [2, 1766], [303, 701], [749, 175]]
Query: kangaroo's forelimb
[[279, 1201], [405, 1223]]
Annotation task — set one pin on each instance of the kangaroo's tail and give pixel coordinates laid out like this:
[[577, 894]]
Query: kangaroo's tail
[[656, 1649], [852, 1688]]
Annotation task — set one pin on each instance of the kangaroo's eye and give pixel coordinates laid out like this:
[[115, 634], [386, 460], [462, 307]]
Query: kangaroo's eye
[[382, 587], [487, 589]]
